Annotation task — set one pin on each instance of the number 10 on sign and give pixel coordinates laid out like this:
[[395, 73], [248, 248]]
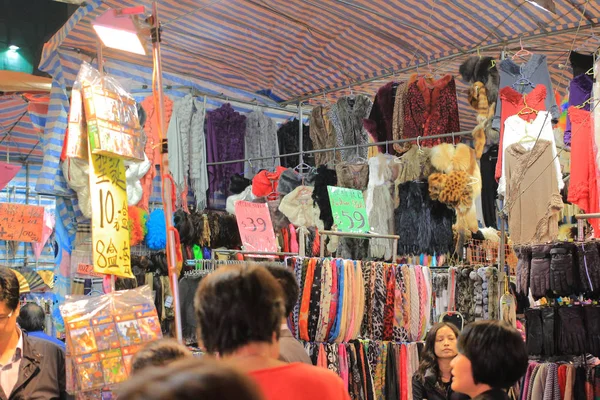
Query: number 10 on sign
[[349, 210]]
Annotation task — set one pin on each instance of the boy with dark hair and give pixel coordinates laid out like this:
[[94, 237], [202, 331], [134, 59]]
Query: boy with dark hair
[[290, 350], [158, 354], [240, 309], [491, 358], [32, 319], [32, 368]]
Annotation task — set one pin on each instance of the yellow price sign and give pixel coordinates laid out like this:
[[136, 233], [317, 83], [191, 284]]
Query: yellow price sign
[[110, 232]]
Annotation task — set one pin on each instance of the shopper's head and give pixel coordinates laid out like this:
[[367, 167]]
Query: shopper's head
[[9, 302], [158, 353], [440, 344], [239, 305], [32, 318], [491, 354], [289, 285], [189, 379]]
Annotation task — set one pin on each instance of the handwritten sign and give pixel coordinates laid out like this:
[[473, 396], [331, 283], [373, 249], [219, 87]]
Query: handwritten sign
[[110, 232], [87, 269], [256, 228], [349, 210], [21, 222]]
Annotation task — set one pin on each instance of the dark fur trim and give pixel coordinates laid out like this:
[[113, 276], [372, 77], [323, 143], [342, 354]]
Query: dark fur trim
[[237, 184], [477, 69], [580, 63], [424, 225], [325, 177], [381, 120]]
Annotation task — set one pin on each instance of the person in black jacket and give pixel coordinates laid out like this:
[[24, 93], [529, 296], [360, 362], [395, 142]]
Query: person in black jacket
[[491, 358], [32, 368], [433, 379]]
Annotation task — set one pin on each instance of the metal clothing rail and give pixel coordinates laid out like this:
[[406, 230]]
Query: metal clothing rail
[[357, 146], [256, 102], [395, 238], [580, 224]]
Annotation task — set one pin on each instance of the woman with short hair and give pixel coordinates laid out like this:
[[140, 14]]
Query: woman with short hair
[[491, 358]]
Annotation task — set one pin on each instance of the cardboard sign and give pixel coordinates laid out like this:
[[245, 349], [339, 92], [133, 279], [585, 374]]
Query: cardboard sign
[[256, 228], [87, 269], [21, 222], [110, 219], [349, 210]]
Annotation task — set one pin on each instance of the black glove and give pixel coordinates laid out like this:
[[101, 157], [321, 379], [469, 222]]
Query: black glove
[[534, 331], [592, 327], [562, 268], [540, 271], [523, 265], [589, 267], [572, 331], [548, 324]]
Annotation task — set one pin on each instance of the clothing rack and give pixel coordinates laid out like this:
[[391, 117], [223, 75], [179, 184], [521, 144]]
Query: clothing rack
[[257, 253], [395, 238], [334, 149]]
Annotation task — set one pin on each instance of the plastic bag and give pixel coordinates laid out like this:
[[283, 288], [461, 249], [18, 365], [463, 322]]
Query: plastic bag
[[103, 334]]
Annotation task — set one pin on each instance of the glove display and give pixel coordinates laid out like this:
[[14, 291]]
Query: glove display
[[592, 327], [548, 323], [562, 270], [535, 331], [523, 266], [540, 271], [572, 335], [589, 267]]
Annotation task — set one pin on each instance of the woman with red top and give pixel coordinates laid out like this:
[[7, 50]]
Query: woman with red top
[[239, 310]]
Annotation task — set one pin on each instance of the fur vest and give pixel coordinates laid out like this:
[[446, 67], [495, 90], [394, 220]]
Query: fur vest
[[458, 184], [260, 141], [381, 120], [322, 134], [482, 74], [347, 117]]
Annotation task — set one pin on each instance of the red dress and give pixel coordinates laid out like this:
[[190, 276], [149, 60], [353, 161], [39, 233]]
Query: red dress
[[583, 185], [512, 103]]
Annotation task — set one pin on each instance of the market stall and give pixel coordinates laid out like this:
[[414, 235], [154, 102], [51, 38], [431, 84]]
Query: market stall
[[404, 145]]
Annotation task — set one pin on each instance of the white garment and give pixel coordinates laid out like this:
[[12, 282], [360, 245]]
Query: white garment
[[382, 170], [380, 211], [299, 207], [246, 195], [516, 128]]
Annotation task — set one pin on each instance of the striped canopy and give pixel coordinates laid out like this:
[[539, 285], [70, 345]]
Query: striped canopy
[[313, 50], [303, 47], [22, 120]]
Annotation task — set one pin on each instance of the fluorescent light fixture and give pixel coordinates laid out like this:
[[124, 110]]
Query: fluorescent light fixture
[[546, 5], [118, 29], [12, 47]]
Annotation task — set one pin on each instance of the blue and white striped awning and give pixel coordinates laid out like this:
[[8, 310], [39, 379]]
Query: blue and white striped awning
[[300, 48]]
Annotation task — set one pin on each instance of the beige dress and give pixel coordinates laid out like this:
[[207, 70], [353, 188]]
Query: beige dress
[[533, 199]]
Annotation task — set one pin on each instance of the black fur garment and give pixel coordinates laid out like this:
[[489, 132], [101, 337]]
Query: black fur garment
[[287, 136], [424, 225], [237, 184], [480, 69], [325, 177]]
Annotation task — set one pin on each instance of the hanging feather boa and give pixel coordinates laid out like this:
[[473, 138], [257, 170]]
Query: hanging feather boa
[[156, 238], [137, 225]]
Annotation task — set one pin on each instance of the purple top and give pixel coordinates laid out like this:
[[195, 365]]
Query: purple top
[[225, 131], [580, 91]]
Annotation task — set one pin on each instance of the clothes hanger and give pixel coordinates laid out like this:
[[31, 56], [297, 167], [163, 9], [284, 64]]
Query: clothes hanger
[[526, 108], [522, 52], [588, 101], [357, 159]]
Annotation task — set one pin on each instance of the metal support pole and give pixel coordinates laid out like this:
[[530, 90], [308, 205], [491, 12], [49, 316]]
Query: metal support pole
[[301, 138], [166, 179]]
